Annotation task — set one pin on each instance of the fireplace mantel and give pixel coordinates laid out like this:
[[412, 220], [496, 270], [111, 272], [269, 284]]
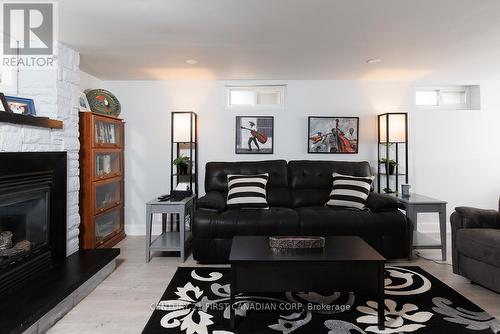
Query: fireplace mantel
[[43, 122]]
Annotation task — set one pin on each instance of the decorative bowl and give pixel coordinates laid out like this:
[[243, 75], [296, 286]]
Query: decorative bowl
[[103, 102], [296, 242]]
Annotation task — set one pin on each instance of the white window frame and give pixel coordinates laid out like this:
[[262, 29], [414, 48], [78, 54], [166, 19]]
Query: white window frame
[[255, 106], [440, 105]]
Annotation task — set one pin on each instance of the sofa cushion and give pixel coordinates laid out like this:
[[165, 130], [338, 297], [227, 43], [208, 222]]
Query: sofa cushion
[[311, 181], [229, 223], [482, 244], [336, 221], [278, 193]]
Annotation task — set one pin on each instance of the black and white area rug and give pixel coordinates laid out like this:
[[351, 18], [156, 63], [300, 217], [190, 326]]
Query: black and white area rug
[[197, 302]]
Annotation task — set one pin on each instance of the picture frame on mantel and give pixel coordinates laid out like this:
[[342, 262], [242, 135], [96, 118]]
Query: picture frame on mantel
[[21, 105], [83, 103], [333, 135], [4, 106]]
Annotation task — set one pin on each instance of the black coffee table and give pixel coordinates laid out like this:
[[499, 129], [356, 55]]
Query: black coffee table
[[346, 263]]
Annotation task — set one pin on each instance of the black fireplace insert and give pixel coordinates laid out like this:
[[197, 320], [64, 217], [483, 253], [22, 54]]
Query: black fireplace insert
[[24, 217], [32, 215]]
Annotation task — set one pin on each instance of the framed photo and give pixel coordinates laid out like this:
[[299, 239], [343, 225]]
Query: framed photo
[[334, 135], [83, 103], [4, 106], [19, 105], [254, 135]]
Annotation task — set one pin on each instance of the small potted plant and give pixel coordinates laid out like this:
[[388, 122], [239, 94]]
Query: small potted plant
[[391, 163], [389, 191], [182, 163]]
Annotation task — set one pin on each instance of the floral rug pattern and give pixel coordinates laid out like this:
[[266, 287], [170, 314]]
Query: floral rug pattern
[[197, 302]]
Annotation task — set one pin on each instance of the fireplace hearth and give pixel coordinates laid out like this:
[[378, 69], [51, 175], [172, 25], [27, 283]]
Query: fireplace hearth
[[32, 215]]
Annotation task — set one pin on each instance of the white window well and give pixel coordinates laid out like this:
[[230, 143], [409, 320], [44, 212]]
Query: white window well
[[255, 97], [448, 98], [427, 97], [242, 97]]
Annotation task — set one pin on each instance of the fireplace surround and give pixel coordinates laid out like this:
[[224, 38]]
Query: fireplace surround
[[32, 215], [39, 283]]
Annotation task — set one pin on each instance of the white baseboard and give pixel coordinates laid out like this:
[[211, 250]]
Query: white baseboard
[[135, 230]]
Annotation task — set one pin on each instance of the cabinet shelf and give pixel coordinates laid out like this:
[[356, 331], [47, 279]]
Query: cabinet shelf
[[107, 176], [101, 180], [108, 208]]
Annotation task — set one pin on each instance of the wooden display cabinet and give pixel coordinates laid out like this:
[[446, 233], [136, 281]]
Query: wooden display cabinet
[[101, 180]]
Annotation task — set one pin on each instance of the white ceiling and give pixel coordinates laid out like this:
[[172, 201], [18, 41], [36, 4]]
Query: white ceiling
[[284, 39]]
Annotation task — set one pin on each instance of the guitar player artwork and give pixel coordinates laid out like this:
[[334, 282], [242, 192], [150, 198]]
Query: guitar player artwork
[[333, 135], [254, 135]]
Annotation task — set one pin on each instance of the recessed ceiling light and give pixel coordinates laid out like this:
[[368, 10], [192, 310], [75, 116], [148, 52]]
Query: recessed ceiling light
[[373, 60], [191, 61]]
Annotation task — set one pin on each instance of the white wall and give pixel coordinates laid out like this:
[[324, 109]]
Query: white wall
[[454, 155], [88, 81]]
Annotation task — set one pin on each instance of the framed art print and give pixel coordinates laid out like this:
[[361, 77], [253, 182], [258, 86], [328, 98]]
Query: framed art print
[[83, 103], [20, 105], [334, 135], [4, 106], [254, 135]]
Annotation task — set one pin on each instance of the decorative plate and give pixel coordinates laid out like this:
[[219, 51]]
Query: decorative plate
[[296, 242], [103, 102]]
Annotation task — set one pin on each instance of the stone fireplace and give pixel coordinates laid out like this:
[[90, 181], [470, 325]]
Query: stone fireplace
[[38, 282], [39, 213], [32, 215], [55, 92]]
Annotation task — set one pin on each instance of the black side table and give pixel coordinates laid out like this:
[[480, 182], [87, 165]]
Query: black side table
[[416, 203]]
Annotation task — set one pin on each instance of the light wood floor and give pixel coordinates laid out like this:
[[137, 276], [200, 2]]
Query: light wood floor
[[122, 303]]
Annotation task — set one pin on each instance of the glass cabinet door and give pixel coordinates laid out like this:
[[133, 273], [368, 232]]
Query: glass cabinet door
[[107, 133], [107, 164], [107, 224], [107, 194]]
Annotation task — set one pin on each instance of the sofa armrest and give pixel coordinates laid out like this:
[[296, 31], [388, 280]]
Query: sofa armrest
[[378, 202], [467, 217], [213, 200]]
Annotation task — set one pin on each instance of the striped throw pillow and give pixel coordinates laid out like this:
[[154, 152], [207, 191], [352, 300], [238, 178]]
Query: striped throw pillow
[[247, 191], [350, 191]]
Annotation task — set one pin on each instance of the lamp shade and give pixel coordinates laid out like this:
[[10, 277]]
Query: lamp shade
[[183, 127], [392, 128]]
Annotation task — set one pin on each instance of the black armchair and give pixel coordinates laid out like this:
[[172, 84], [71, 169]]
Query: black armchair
[[476, 245]]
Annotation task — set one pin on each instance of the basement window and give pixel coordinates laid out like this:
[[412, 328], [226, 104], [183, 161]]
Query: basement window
[[448, 98], [255, 97]]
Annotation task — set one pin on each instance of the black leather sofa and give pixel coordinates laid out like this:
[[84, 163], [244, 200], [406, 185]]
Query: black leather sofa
[[297, 192]]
